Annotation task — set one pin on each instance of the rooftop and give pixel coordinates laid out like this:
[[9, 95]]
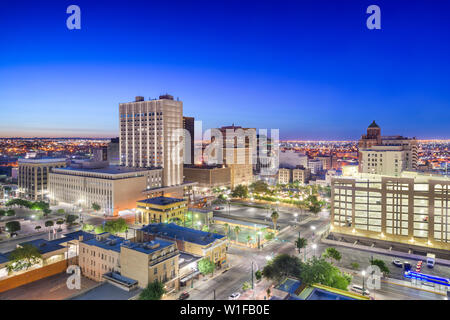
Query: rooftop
[[161, 201], [107, 170], [373, 125], [42, 160], [148, 247], [109, 243], [176, 232]]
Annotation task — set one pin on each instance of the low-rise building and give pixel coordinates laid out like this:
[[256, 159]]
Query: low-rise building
[[113, 188], [161, 209], [301, 174], [206, 244], [284, 176], [106, 255]]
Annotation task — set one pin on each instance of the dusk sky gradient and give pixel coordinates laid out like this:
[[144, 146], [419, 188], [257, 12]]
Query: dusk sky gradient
[[310, 68]]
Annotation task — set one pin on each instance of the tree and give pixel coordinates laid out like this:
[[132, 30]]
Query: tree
[[2, 213], [246, 286], [37, 228], [380, 264], [318, 270], [49, 223], [300, 244], [240, 191], [59, 222], [10, 212], [274, 217], [96, 207], [23, 258], [313, 204], [154, 291], [258, 275], [87, 227], [205, 228], [12, 226], [332, 254], [206, 266], [60, 211], [226, 226], [237, 229], [282, 266], [354, 265], [269, 236], [116, 226], [71, 218], [249, 239], [260, 187]]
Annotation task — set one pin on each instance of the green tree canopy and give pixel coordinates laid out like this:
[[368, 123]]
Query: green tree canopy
[[240, 191], [12, 226], [260, 187], [116, 226], [96, 207], [23, 258], [332, 254], [206, 266], [282, 266], [49, 223], [274, 216], [154, 291], [380, 264], [318, 270], [10, 212], [301, 243], [71, 218]]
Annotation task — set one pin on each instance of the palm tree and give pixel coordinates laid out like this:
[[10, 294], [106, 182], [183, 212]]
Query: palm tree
[[237, 229], [301, 243], [274, 217], [249, 238], [227, 228]]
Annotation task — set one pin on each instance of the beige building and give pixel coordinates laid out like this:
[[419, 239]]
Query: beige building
[[33, 179], [161, 209], [151, 135], [284, 176], [196, 242], [147, 262], [301, 175], [143, 262], [412, 208], [326, 162], [208, 177], [114, 188], [386, 155]]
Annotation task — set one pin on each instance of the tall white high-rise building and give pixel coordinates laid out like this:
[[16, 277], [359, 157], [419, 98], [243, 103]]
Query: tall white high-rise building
[[151, 135]]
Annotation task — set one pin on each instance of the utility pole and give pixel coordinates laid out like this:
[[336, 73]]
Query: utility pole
[[252, 275], [214, 294]]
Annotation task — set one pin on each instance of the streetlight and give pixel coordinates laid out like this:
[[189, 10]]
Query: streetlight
[[295, 215], [314, 246], [199, 224], [363, 275]]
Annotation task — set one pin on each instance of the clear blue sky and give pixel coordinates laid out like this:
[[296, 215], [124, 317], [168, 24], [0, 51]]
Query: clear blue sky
[[310, 68]]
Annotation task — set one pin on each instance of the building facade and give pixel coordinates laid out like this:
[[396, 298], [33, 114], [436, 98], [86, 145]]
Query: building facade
[[151, 135], [412, 209], [161, 209], [387, 155], [189, 125], [33, 179], [284, 176], [208, 177], [301, 175], [114, 188]]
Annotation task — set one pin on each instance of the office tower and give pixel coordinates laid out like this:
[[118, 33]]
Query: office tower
[[387, 155], [33, 176], [238, 153], [188, 124], [326, 162], [412, 208], [113, 152], [315, 165], [151, 135]]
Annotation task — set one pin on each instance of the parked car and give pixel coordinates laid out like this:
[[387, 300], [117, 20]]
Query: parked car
[[183, 296], [217, 208], [358, 289], [234, 296], [397, 263]]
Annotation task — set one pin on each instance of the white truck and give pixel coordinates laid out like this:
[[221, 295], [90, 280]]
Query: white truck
[[431, 260]]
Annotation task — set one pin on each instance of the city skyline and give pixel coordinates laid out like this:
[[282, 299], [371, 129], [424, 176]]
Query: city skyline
[[312, 64]]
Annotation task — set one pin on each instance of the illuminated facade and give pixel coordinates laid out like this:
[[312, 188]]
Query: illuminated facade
[[161, 209], [411, 209]]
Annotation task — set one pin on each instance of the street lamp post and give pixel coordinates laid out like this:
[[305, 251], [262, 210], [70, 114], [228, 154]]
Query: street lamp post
[[363, 276], [314, 246], [252, 275]]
